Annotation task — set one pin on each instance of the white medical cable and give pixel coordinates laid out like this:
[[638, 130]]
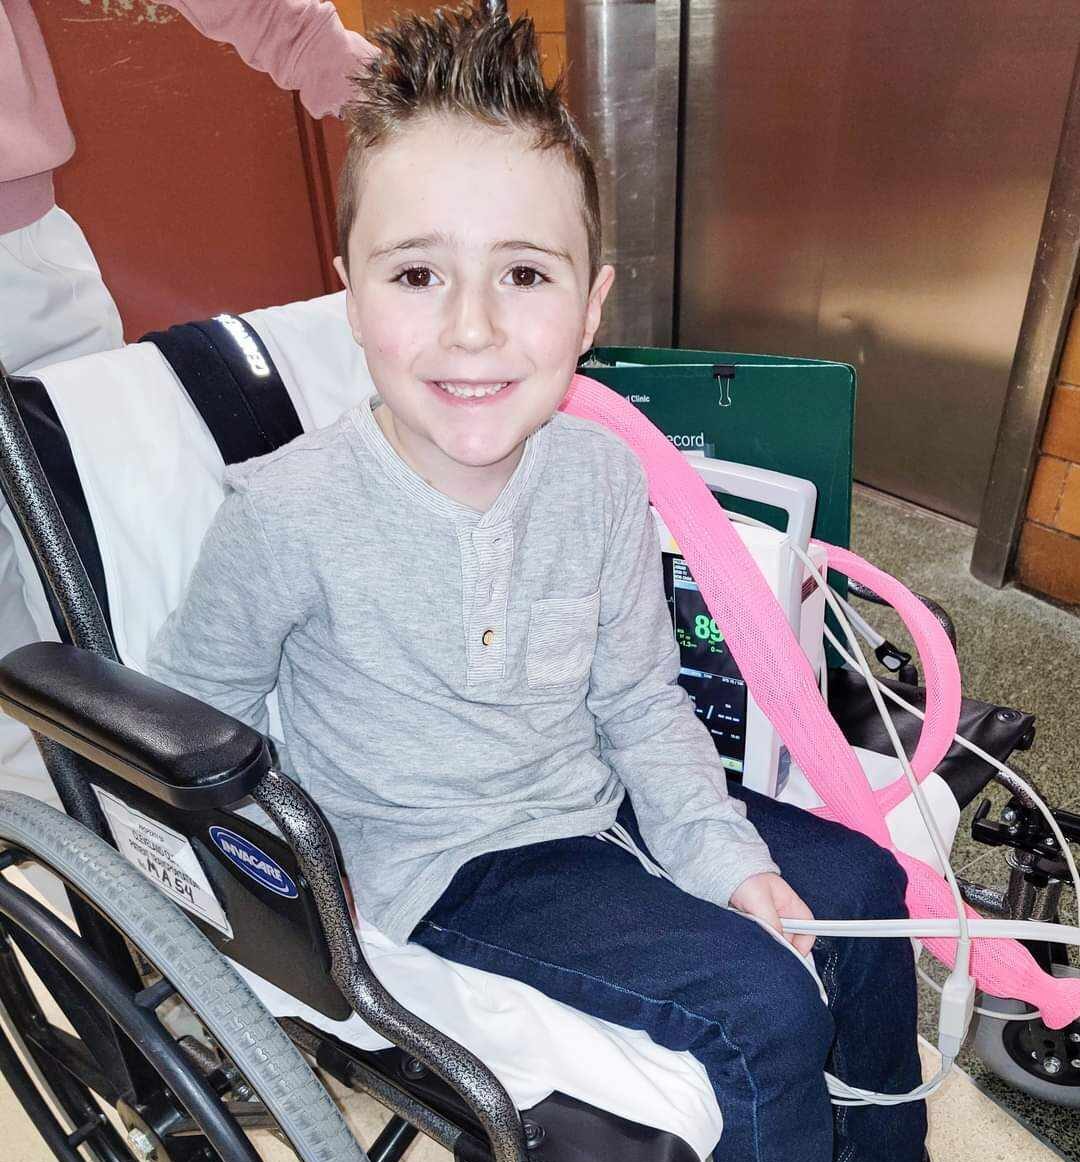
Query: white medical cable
[[979, 926], [963, 956], [957, 1008], [1063, 844], [620, 837], [843, 1094], [1048, 815], [840, 1092], [1027, 1015], [869, 635], [1048, 931], [963, 951], [1022, 929], [958, 994]]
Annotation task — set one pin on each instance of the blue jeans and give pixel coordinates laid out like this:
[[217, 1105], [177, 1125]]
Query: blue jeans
[[582, 921]]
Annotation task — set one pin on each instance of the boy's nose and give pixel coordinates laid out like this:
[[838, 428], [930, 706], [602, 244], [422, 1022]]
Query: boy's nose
[[471, 322]]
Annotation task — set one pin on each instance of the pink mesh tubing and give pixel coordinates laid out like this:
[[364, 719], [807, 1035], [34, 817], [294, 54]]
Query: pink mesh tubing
[[783, 684], [938, 662]]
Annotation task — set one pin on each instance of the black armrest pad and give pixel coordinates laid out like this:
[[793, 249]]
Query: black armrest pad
[[999, 730], [174, 746]]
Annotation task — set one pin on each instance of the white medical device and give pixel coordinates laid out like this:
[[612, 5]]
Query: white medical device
[[746, 741]]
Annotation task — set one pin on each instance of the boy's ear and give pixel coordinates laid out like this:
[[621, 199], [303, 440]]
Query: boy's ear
[[339, 266], [605, 276], [350, 303]]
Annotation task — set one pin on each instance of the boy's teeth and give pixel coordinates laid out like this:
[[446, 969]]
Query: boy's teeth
[[471, 391]]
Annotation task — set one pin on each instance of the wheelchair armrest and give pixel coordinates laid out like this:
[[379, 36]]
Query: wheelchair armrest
[[857, 589], [999, 730], [172, 745]]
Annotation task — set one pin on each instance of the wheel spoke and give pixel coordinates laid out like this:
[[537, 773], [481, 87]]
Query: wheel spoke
[[37, 1108]]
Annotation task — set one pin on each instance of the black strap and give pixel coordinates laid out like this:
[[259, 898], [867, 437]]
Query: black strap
[[232, 381]]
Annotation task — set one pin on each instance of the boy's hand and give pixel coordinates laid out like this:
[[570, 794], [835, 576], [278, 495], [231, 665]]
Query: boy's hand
[[768, 897]]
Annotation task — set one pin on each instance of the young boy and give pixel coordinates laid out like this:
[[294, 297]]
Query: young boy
[[456, 590]]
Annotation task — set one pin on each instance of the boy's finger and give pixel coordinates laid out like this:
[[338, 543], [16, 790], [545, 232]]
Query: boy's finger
[[803, 943], [771, 917], [797, 908]]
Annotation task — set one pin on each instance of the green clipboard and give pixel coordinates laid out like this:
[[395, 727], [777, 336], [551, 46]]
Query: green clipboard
[[790, 415]]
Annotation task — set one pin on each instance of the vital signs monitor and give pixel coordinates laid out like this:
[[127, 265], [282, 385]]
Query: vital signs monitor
[[745, 740]]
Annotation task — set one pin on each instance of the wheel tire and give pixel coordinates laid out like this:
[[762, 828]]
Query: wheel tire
[[988, 1043], [245, 1030]]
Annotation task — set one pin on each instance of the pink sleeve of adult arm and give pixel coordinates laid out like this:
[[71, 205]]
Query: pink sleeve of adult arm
[[302, 44]]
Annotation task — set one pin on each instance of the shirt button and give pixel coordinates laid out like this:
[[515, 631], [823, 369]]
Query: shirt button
[[488, 636]]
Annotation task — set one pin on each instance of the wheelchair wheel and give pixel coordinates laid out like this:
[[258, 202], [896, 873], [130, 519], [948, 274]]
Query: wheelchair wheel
[[1027, 1055], [180, 1098]]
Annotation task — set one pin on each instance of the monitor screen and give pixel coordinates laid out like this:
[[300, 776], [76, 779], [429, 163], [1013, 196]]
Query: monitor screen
[[707, 671]]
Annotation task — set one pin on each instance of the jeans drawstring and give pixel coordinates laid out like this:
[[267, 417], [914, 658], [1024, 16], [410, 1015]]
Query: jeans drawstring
[[620, 837]]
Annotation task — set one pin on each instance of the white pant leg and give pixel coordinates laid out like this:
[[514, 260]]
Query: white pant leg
[[21, 768], [53, 306]]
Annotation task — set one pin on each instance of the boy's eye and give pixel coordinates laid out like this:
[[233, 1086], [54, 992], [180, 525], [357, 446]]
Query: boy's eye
[[415, 277], [419, 277], [526, 272]]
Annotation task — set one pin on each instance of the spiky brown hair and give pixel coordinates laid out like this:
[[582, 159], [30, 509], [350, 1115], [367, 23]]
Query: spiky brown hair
[[471, 63]]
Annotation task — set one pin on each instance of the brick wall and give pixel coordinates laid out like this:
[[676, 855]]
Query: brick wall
[[1048, 560]]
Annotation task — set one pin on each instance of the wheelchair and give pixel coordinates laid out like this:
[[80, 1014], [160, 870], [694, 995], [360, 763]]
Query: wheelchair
[[203, 958]]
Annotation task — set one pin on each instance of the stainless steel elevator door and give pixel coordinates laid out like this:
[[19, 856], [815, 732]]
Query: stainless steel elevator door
[[865, 181]]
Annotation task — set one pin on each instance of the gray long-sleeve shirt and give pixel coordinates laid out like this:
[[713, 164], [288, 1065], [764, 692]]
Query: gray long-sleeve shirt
[[450, 682]]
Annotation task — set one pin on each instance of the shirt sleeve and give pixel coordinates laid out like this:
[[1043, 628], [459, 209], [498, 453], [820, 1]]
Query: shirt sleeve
[[650, 734], [222, 644], [302, 44]]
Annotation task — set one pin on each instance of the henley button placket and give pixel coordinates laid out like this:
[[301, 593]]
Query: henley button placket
[[486, 638]]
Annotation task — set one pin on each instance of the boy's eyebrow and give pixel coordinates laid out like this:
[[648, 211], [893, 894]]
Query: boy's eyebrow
[[524, 244], [438, 238]]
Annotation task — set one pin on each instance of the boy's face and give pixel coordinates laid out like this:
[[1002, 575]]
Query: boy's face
[[469, 270]]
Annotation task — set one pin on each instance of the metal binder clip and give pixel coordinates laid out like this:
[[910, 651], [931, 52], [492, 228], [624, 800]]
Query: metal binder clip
[[724, 373]]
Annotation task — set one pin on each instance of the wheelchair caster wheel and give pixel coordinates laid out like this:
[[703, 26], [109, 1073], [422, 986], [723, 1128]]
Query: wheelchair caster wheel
[[1028, 1056]]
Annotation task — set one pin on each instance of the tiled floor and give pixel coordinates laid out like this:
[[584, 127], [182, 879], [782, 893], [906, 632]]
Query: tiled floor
[[1013, 649]]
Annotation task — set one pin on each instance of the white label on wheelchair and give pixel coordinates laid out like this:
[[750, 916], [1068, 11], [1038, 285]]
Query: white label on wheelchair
[[164, 856]]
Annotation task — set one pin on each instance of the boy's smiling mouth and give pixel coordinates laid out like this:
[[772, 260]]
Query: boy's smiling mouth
[[464, 391]]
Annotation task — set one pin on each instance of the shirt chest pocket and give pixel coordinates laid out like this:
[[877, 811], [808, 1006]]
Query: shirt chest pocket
[[562, 639]]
